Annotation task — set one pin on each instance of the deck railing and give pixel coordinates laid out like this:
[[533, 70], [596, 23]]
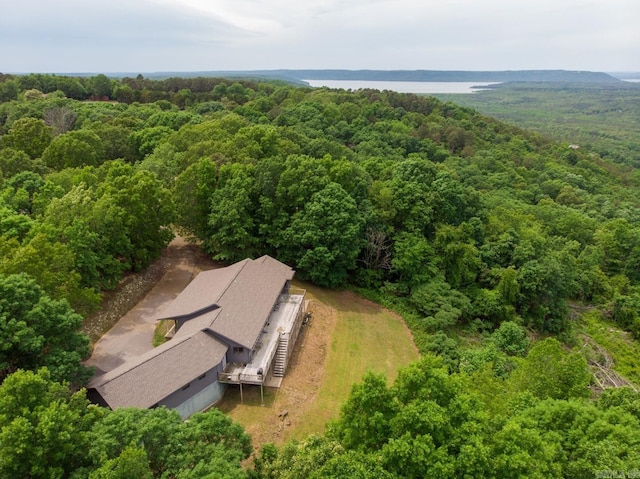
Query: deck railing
[[284, 298], [237, 377]]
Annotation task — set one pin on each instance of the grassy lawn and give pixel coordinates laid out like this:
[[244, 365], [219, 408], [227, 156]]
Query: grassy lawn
[[366, 338], [347, 336]]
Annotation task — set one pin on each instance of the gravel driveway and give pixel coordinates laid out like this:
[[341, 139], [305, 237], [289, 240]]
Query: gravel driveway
[[132, 335]]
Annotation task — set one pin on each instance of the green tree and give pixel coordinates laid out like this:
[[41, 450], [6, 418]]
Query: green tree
[[14, 226], [29, 135], [9, 90], [231, 218], [94, 230], [618, 246], [191, 194], [117, 142], [518, 451], [44, 428], [100, 86], [545, 284], [208, 445], [71, 87], [365, 417], [147, 139], [586, 439], [551, 372], [51, 265], [39, 331], [20, 191], [146, 207], [74, 149], [318, 457], [132, 462], [458, 256], [412, 199], [324, 239], [414, 260], [511, 338], [14, 161], [440, 305]]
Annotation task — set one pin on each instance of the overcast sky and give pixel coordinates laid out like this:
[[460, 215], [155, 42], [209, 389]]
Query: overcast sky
[[196, 35]]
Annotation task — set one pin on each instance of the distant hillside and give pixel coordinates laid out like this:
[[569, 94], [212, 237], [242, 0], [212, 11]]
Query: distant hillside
[[411, 75]]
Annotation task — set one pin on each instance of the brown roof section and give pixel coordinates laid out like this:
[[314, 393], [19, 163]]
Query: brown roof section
[[151, 377], [203, 292], [247, 303], [244, 292]]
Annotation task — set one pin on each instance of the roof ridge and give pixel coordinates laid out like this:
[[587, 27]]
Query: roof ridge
[[246, 262]]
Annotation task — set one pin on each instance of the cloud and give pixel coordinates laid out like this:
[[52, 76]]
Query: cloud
[[178, 35]]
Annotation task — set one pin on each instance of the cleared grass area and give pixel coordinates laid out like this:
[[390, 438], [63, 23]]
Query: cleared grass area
[[619, 344], [159, 334], [346, 337], [366, 338]]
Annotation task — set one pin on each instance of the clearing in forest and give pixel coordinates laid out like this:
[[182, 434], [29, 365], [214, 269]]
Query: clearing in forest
[[346, 336]]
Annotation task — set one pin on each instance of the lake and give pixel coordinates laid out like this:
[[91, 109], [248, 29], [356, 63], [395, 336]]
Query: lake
[[403, 86]]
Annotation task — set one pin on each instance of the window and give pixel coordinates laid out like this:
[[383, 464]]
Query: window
[[202, 376], [186, 386], [238, 349]]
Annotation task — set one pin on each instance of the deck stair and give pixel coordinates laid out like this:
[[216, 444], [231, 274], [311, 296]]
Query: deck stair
[[281, 356]]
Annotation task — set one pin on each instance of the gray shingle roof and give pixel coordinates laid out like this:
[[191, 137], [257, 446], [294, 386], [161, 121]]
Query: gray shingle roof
[[246, 304], [244, 292], [203, 292], [151, 377]]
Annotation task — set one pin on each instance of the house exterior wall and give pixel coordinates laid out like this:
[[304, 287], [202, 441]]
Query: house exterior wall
[[198, 394], [236, 353], [202, 400]]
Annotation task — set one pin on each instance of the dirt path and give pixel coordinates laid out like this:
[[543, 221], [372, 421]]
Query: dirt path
[[132, 335]]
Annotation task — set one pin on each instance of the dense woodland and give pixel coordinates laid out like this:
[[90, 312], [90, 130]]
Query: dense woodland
[[488, 239], [600, 117]]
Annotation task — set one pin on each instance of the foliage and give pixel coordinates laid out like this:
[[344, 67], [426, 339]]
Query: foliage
[[30, 135], [208, 444], [324, 238], [511, 339], [39, 331], [431, 422], [48, 431], [597, 117], [398, 192], [549, 372], [451, 217], [43, 426]]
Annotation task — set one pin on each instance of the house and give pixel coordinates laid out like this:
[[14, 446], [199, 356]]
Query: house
[[233, 325]]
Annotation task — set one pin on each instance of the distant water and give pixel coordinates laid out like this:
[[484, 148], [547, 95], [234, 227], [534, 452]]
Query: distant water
[[404, 86]]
